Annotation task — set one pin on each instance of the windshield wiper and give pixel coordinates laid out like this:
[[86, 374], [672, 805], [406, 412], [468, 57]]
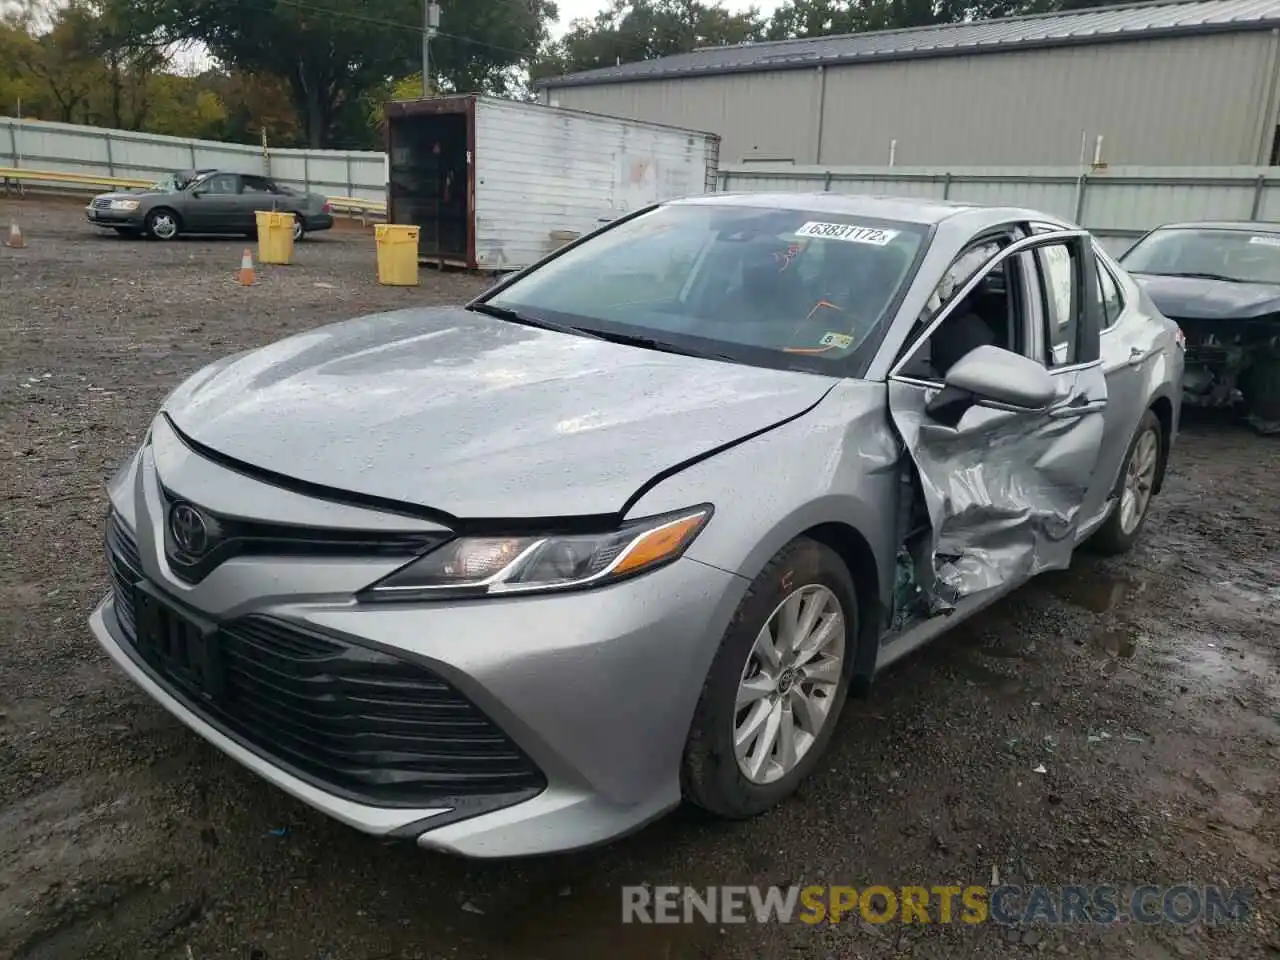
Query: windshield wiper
[[529, 320], [1193, 275], [661, 346]]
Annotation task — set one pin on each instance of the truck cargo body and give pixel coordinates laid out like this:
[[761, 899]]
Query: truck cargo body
[[496, 185]]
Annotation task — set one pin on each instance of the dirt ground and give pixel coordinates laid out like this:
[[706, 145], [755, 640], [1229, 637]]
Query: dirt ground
[[1148, 689]]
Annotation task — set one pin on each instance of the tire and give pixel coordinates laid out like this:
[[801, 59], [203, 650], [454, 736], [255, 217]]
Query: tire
[[163, 224], [711, 775], [299, 229], [1121, 530], [1262, 391]]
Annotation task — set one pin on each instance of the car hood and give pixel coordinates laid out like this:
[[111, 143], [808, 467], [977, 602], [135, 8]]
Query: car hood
[[477, 417], [1194, 298], [128, 194]]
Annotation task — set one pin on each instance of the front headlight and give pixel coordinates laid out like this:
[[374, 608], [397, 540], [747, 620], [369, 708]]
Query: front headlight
[[124, 206], [493, 566]]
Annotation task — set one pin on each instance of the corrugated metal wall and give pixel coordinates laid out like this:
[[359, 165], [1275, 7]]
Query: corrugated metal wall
[[1118, 205], [540, 171], [1206, 100], [770, 116]]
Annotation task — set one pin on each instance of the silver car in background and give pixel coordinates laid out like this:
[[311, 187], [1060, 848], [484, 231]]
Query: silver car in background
[[518, 576]]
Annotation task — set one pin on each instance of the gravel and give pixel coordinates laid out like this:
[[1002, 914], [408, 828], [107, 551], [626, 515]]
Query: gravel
[[1148, 689]]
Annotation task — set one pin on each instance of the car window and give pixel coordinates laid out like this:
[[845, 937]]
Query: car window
[[1112, 301], [993, 313], [1251, 256], [1061, 299], [257, 185], [219, 183], [774, 287]]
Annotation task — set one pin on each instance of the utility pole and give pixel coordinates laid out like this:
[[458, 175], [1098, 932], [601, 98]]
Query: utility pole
[[430, 26]]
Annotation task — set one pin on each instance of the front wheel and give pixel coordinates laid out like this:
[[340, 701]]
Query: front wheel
[[162, 224], [776, 687], [1137, 485]]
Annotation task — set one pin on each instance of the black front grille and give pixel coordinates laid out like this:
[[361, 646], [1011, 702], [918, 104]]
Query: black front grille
[[233, 537], [126, 570], [353, 720]]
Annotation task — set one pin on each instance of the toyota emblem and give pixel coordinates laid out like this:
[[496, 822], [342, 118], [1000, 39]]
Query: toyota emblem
[[189, 529]]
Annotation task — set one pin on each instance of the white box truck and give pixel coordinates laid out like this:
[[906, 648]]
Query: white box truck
[[496, 185]]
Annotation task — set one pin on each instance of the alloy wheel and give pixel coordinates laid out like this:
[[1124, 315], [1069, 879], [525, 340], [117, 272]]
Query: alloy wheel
[[789, 684], [164, 226], [1139, 481]]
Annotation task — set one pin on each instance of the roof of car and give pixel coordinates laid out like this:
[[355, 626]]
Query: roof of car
[[906, 209], [1257, 226]]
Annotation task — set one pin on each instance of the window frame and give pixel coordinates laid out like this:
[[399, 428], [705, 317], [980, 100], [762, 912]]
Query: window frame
[[1100, 257], [1089, 324], [268, 185], [1049, 322], [1080, 238]]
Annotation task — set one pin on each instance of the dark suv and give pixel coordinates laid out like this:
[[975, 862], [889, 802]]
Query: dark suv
[[206, 201]]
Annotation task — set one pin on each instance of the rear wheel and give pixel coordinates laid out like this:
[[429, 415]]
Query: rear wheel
[[299, 228], [163, 224], [1137, 485], [776, 687]]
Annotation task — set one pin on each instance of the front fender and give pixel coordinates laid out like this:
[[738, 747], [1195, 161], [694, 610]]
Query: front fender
[[836, 464]]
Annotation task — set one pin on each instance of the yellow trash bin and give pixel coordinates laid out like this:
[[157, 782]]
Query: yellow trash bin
[[275, 237], [397, 254]]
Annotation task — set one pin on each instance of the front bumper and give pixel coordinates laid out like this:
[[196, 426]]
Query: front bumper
[[596, 689], [131, 219]]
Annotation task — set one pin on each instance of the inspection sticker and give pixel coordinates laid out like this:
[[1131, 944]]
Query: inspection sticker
[[1271, 241], [848, 232], [836, 340]]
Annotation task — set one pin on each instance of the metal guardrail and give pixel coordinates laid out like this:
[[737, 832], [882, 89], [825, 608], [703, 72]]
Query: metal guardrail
[[19, 176]]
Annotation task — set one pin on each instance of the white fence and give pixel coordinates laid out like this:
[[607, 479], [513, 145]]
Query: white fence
[[97, 151], [1118, 204]]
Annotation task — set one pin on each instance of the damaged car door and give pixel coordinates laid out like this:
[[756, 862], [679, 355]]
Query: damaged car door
[[1000, 402]]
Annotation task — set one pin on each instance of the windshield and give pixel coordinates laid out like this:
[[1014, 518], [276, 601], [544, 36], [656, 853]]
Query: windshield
[[169, 183], [1242, 255], [783, 288]]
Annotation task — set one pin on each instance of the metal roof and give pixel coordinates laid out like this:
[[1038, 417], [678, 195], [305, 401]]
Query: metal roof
[[1162, 18]]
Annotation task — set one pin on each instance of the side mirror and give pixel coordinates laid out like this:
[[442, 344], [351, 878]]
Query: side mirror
[[1001, 377], [197, 194]]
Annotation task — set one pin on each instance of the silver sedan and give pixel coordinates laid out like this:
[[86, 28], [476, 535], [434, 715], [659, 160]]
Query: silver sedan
[[521, 575]]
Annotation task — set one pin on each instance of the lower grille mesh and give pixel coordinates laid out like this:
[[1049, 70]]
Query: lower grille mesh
[[353, 719]]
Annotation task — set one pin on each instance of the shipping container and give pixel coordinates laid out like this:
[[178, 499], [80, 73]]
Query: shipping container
[[498, 184]]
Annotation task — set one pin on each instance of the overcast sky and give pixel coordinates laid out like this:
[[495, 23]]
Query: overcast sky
[[572, 9]]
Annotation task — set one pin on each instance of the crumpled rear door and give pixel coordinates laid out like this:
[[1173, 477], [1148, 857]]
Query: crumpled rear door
[[1003, 488]]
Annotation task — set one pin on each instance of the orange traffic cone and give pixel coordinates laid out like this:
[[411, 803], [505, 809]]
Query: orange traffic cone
[[245, 277], [15, 236]]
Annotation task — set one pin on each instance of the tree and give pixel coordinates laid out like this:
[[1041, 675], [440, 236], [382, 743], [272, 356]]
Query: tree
[[631, 30], [61, 62], [332, 53], [129, 62]]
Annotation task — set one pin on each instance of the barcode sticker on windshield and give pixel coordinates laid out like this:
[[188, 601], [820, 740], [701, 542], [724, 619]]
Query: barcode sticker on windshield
[[1266, 241], [848, 232]]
